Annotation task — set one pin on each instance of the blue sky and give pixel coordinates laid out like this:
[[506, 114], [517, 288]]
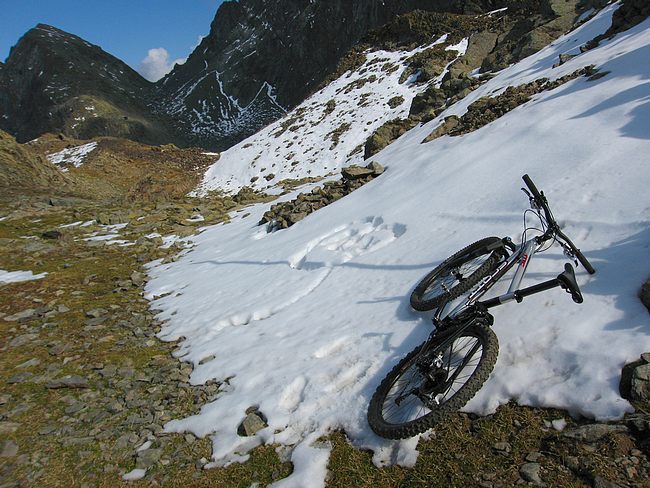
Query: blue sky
[[127, 29]]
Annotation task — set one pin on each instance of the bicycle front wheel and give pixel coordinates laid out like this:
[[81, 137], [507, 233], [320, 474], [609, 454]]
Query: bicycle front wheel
[[426, 386], [457, 274]]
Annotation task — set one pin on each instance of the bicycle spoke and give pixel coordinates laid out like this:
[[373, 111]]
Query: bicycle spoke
[[404, 402], [454, 276]]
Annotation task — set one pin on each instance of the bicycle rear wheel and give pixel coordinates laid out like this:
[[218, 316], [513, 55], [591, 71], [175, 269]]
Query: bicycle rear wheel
[[426, 386], [457, 274]]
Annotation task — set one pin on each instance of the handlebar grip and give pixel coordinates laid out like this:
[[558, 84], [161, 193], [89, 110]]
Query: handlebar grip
[[583, 260], [531, 186]]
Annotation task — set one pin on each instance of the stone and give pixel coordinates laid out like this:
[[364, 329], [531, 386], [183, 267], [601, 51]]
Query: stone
[[30, 363], [355, 172], [137, 278], [8, 427], [20, 378], [594, 432], [533, 457], [25, 315], [96, 313], [252, 424], [148, 458], [9, 449], [530, 473], [70, 381], [447, 125], [641, 383], [502, 447], [377, 169], [22, 340]]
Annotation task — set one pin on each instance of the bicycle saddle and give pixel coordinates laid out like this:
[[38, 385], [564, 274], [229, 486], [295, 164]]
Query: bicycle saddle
[[568, 282]]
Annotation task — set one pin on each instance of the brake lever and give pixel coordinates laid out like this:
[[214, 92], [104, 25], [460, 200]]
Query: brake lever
[[568, 252], [531, 199]]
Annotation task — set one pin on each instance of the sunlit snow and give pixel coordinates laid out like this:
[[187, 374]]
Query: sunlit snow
[[18, 276], [304, 323], [326, 132], [74, 156]]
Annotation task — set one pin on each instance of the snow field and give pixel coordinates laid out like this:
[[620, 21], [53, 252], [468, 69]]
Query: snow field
[[304, 323], [74, 156], [18, 276], [324, 133]]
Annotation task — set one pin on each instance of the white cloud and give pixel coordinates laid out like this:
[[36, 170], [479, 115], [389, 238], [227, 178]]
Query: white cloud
[[157, 64]]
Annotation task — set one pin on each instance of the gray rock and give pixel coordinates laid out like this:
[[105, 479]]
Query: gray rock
[[376, 168], [20, 378], [148, 458], [252, 424], [502, 447], [355, 172], [594, 432], [137, 278], [9, 449], [530, 473], [96, 313], [70, 381], [48, 429], [8, 427], [30, 363], [74, 408], [22, 339], [533, 457], [25, 315], [641, 383]]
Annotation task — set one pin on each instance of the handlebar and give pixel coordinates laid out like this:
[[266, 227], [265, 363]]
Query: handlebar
[[553, 227]]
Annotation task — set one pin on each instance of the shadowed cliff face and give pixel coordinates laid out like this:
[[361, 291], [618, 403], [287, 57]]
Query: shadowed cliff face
[[264, 57]]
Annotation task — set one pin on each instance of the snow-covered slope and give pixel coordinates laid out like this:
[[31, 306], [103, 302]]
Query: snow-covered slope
[[327, 131], [304, 323]]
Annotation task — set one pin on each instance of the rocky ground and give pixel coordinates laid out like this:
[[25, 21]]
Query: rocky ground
[[86, 387]]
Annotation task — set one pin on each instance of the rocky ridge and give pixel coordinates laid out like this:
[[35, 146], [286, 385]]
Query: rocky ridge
[[54, 81], [257, 62]]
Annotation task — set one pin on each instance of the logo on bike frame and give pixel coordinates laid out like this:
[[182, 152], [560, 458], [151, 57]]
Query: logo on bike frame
[[524, 260]]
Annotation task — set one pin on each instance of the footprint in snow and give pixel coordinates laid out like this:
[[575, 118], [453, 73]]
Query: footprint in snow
[[345, 243]]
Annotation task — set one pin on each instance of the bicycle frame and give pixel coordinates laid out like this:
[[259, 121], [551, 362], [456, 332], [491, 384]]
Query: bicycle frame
[[521, 256]]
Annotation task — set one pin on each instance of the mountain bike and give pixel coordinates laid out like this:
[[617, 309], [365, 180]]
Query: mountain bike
[[441, 375]]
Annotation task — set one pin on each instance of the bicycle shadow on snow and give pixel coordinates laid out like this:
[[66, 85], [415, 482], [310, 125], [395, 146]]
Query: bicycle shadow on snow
[[621, 270]]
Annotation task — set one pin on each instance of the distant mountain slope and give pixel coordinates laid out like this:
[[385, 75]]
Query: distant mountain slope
[[262, 58], [259, 60], [55, 81], [24, 171], [386, 92]]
